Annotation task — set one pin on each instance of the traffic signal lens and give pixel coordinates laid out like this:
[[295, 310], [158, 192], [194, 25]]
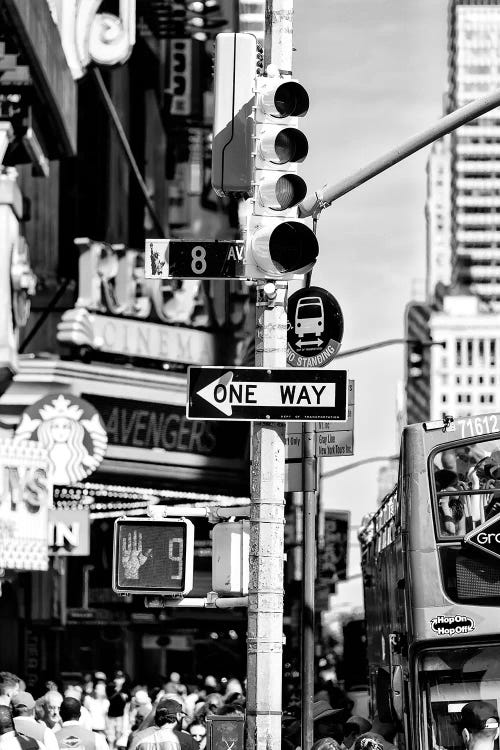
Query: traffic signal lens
[[290, 145], [292, 247], [281, 191], [291, 100], [290, 191]]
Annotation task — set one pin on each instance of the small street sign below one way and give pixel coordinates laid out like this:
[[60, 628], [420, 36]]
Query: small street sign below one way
[[194, 259], [257, 393]]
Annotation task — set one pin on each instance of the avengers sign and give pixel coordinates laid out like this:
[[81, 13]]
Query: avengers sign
[[25, 497]]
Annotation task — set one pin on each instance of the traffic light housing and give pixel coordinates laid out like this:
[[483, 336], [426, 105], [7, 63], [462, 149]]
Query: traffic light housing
[[278, 245], [230, 561], [415, 359], [257, 147], [235, 71], [153, 556]]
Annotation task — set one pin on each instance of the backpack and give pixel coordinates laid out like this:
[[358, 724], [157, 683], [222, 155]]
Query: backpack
[[27, 743]]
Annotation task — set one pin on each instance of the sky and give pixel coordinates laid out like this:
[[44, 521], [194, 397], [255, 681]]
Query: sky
[[376, 71]]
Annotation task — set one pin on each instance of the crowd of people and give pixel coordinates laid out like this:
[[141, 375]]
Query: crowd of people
[[101, 712], [98, 713]]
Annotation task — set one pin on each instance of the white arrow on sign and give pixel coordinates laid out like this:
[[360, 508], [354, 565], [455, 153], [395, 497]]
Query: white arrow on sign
[[223, 394]]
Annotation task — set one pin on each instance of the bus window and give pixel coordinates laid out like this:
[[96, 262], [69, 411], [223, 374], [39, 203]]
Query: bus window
[[466, 486], [448, 679]]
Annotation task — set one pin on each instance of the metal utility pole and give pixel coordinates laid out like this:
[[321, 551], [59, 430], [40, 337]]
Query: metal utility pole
[[309, 472], [267, 518]]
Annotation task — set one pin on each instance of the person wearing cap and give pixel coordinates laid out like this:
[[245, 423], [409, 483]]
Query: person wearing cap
[[480, 725], [325, 722], [170, 707], [383, 732], [72, 734], [23, 711], [10, 738], [353, 728]]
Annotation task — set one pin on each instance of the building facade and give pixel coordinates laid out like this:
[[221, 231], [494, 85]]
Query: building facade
[[103, 147], [465, 374], [463, 233], [438, 217], [474, 71]]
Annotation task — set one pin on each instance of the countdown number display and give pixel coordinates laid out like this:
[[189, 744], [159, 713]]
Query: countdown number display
[[153, 556]]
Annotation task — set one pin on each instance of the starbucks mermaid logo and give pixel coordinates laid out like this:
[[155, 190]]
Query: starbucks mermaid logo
[[71, 431]]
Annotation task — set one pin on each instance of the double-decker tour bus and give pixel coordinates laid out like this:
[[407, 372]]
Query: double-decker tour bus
[[431, 577]]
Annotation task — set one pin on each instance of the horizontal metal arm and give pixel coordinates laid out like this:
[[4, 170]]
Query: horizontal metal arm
[[355, 464], [314, 203], [213, 600], [388, 342], [187, 511]]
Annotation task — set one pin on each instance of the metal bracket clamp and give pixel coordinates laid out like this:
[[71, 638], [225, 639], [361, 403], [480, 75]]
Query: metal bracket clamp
[[321, 204]]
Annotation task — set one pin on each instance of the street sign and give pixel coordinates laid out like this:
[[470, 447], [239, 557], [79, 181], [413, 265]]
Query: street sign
[[332, 438], [257, 393], [194, 259], [153, 556], [315, 327], [331, 444], [486, 537]]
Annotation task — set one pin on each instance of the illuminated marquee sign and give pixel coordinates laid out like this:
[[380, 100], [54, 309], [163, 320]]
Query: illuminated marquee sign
[[139, 424], [119, 312], [70, 430], [153, 556], [69, 532], [25, 497]]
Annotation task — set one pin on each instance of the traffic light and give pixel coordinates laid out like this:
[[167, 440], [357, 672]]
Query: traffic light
[[278, 245], [415, 359], [257, 148], [153, 556]]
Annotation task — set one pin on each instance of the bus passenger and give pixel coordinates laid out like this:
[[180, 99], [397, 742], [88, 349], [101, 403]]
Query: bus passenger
[[480, 725], [451, 507]]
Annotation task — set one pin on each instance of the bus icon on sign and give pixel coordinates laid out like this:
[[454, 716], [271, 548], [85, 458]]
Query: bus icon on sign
[[310, 322]]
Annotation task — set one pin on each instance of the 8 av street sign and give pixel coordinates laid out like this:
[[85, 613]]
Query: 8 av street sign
[[256, 393], [191, 259]]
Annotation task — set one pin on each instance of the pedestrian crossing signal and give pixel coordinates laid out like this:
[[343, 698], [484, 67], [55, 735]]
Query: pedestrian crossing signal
[[153, 556]]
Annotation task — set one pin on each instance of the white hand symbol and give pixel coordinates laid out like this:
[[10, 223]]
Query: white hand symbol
[[132, 555]]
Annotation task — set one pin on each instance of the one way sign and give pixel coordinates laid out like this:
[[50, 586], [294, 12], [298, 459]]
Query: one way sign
[[259, 394]]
